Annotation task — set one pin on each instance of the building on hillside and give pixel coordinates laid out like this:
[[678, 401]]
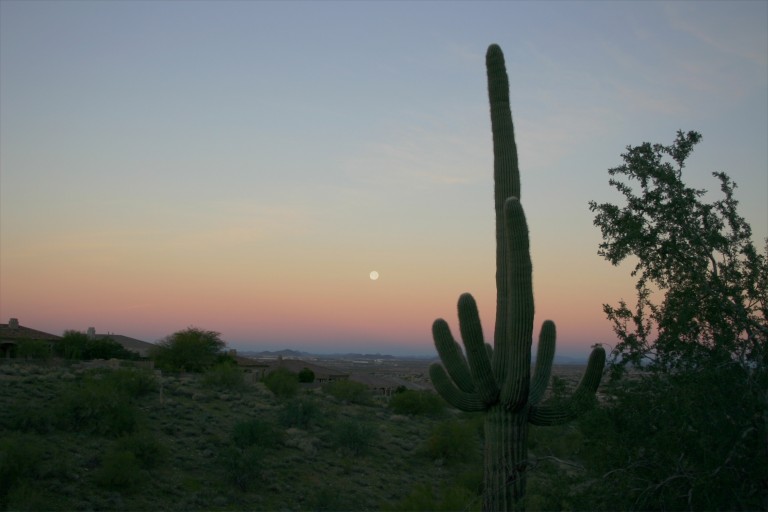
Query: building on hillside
[[253, 369], [12, 334], [140, 347], [385, 385], [323, 375]]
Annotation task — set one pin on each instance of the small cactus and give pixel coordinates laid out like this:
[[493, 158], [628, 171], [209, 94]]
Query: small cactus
[[497, 379]]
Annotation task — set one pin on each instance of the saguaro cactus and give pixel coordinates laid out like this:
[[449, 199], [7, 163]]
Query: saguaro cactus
[[497, 379]]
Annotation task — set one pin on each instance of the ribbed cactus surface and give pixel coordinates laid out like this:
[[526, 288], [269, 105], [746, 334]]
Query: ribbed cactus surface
[[497, 379]]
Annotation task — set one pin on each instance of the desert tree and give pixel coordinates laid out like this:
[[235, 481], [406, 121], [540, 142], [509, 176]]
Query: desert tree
[[191, 349], [690, 432]]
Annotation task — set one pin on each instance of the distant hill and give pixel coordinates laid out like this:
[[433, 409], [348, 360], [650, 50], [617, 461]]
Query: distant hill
[[297, 354], [568, 360], [276, 353]]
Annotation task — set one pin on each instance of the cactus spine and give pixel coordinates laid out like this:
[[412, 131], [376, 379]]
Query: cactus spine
[[497, 380]]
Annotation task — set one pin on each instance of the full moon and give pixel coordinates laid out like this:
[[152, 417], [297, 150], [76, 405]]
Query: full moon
[[374, 275]]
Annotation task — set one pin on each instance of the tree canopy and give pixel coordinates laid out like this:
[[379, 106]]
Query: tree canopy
[[689, 431], [78, 345], [697, 255], [191, 350]]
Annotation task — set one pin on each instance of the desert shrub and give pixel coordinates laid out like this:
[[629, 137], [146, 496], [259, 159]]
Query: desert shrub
[[130, 382], [329, 499], [242, 466], [120, 470], [71, 345], [224, 375], [551, 486], [299, 413], [417, 403], [282, 382], [354, 436], [423, 497], [33, 349], [562, 441], [107, 348], [20, 457], [453, 441], [256, 432], [149, 452], [93, 407], [27, 494], [306, 376], [28, 417], [348, 391], [686, 440], [77, 345]]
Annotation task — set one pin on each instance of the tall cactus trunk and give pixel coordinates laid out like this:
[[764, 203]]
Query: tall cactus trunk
[[506, 458], [497, 380], [506, 431]]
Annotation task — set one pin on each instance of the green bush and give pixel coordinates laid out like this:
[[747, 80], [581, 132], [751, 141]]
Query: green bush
[[685, 440], [423, 497], [20, 457], [348, 391], [417, 403], [149, 452], [256, 432], [28, 495], [33, 349], [92, 406], [306, 376], [453, 441], [299, 413], [28, 417], [328, 499], [130, 382], [120, 470], [225, 376], [282, 382], [77, 345], [243, 466], [354, 436]]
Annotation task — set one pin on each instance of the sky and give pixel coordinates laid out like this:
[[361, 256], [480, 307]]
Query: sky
[[243, 166]]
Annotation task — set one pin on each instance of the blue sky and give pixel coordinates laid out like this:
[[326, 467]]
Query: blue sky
[[243, 166]]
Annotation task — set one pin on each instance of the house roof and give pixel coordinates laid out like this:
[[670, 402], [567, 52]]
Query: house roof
[[296, 365], [132, 344], [19, 333], [248, 362]]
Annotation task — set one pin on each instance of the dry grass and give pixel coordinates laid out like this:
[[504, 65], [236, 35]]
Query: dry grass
[[180, 455]]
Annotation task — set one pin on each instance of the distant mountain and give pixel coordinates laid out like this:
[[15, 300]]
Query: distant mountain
[[353, 355], [297, 354], [275, 353], [287, 353], [568, 360]]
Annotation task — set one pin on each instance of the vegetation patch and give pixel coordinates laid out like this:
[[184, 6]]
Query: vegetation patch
[[349, 391]]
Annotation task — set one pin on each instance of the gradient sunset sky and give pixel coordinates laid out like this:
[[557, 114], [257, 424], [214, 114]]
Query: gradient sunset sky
[[243, 166]]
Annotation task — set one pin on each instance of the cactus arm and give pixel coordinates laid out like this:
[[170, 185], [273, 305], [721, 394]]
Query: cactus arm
[[469, 402], [581, 400], [451, 356], [545, 353], [479, 364], [517, 351]]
